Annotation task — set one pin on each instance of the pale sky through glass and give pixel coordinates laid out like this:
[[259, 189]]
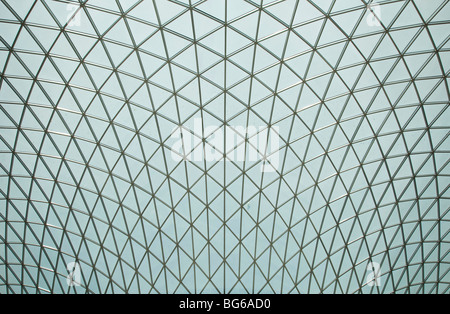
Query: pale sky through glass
[[92, 93]]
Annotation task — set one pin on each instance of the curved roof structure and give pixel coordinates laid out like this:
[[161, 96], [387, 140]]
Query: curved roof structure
[[215, 146]]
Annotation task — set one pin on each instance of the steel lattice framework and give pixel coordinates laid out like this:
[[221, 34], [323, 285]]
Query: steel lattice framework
[[91, 91]]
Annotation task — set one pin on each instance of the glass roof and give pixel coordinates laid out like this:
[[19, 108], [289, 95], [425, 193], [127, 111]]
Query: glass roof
[[215, 146]]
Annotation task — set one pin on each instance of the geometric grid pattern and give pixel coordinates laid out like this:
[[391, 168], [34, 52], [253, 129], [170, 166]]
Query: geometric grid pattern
[[90, 92]]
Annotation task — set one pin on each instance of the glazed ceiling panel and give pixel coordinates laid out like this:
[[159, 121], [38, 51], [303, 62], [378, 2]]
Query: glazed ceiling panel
[[214, 146]]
